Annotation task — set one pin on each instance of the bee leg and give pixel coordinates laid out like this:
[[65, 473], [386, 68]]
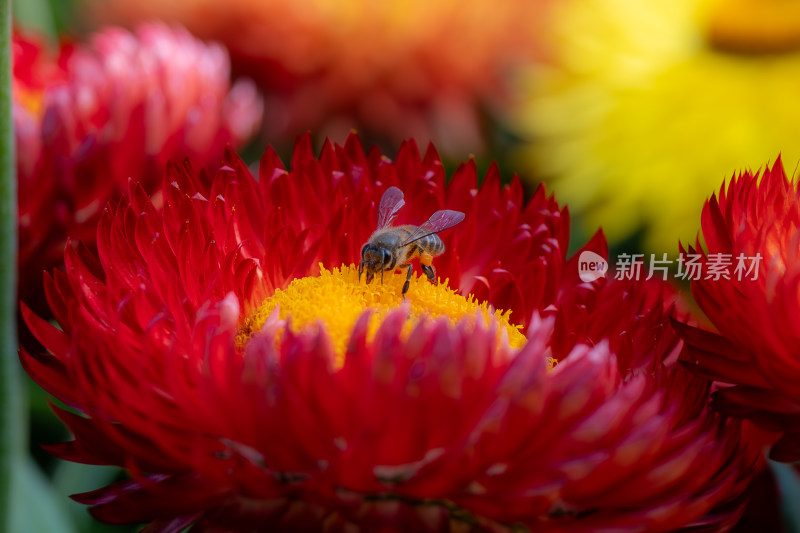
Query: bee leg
[[425, 260], [360, 270], [428, 269], [408, 280]]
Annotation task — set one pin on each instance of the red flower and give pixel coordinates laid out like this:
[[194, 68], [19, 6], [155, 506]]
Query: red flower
[[426, 69], [753, 225], [99, 114], [419, 423]]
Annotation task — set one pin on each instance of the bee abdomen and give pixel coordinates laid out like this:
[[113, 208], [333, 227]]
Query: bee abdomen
[[431, 244]]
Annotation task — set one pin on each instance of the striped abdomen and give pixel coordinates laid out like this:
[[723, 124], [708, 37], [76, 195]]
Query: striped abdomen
[[431, 244]]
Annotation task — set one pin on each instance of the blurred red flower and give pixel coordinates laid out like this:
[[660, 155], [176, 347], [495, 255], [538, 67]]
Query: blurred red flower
[[753, 226], [116, 108], [429, 70], [440, 426]]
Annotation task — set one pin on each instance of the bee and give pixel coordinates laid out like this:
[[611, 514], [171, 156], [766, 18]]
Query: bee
[[393, 247]]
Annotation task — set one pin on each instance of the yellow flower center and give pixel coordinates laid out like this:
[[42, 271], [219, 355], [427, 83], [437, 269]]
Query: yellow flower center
[[335, 299], [755, 26]]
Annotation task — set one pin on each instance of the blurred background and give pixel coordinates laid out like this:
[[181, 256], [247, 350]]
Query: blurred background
[[631, 111]]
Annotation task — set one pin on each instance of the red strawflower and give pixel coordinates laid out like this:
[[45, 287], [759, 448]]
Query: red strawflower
[[100, 113], [235, 413], [753, 224]]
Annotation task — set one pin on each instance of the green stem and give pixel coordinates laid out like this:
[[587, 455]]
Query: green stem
[[12, 423]]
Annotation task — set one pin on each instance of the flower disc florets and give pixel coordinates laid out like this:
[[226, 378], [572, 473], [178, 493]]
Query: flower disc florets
[[336, 299]]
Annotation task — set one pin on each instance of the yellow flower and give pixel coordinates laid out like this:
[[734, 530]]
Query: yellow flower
[[647, 105]]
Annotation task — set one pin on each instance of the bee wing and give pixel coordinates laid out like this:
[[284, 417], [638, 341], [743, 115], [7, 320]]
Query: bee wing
[[439, 221], [391, 202]]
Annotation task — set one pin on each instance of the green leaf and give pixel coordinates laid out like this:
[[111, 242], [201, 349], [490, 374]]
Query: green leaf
[[36, 509]]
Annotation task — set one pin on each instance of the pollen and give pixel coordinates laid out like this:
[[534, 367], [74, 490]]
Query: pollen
[[335, 299]]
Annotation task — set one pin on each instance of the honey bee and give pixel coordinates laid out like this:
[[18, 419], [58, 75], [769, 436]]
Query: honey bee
[[393, 247]]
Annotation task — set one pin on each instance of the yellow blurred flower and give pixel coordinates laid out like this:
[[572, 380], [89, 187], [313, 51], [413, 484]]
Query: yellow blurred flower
[[393, 70], [645, 106]]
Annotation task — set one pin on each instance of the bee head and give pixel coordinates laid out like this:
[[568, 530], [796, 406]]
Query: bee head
[[373, 259]]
